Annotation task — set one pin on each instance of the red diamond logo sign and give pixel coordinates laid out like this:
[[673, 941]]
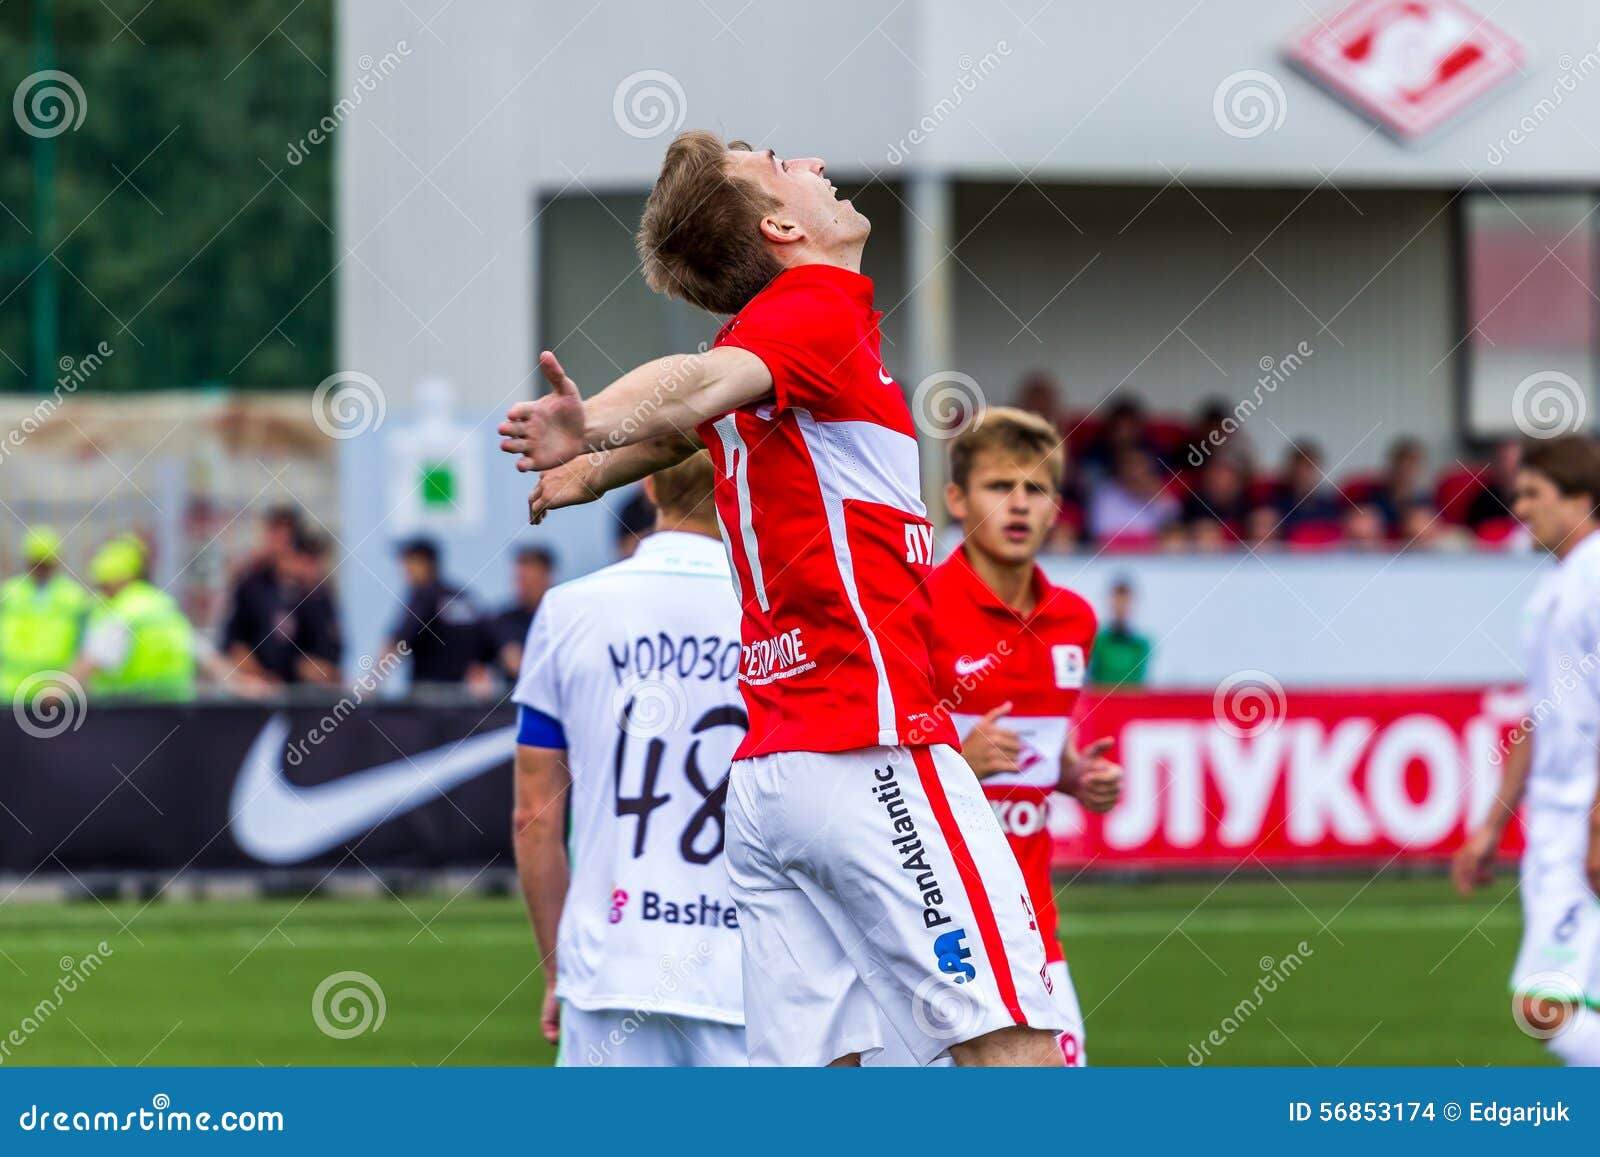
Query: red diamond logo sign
[[1410, 64]]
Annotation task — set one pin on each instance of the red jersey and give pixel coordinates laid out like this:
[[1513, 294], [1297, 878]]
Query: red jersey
[[819, 498], [985, 653]]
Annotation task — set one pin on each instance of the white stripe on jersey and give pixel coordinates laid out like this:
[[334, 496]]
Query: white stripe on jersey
[[873, 464], [737, 456], [833, 496]]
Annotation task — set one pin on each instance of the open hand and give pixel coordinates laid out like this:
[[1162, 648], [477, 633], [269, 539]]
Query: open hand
[[546, 432]]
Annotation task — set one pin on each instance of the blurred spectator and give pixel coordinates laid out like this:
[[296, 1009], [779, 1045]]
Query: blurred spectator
[[1492, 501], [1215, 427], [1133, 502], [1364, 527], [1422, 528], [439, 624], [1121, 655], [1262, 528], [636, 517], [531, 576], [282, 627], [1124, 429], [138, 642], [1305, 497], [1216, 503], [1039, 394], [1404, 481], [42, 613]]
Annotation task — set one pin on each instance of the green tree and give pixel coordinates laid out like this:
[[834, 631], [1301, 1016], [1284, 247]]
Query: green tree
[[182, 235]]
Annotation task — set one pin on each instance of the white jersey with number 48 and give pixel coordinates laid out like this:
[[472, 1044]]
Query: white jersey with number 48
[[638, 664]]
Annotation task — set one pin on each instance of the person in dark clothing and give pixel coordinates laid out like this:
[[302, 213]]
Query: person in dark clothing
[[282, 628], [439, 625], [534, 569], [1492, 500]]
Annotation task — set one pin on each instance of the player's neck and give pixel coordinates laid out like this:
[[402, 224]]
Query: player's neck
[[1576, 538], [846, 256], [666, 525], [1011, 582]]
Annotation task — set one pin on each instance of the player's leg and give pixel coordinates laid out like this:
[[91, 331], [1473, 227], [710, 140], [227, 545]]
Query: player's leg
[[1556, 980], [908, 865], [1071, 1039], [706, 1043], [804, 1003]]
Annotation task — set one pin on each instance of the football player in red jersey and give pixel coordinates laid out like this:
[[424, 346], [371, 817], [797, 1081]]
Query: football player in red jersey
[[1010, 651], [878, 899]]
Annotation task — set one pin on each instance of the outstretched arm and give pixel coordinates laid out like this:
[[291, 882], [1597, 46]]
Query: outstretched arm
[[588, 476], [670, 395]]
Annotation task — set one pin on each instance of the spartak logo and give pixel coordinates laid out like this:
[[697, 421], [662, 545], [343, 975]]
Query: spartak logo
[[1410, 64]]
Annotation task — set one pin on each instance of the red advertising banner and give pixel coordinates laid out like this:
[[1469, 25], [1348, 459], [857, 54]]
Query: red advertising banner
[[1262, 775]]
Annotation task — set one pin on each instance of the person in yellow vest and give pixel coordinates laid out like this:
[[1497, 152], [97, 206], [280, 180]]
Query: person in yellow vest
[[138, 643], [42, 615]]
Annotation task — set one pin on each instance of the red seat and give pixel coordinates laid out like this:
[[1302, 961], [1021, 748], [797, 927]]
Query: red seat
[[1362, 488], [1313, 536], [1496, 531], [1456, 491]]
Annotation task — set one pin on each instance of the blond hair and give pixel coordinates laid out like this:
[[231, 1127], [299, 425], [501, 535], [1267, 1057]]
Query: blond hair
[[1009, 431]]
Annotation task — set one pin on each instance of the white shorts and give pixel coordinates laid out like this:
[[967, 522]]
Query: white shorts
[[1560, 954], [620, 1038], [895, 1055], [877, 895], [1066, 998]]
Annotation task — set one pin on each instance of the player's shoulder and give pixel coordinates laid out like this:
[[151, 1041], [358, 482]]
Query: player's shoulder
[[806, 292], [1067, 609]]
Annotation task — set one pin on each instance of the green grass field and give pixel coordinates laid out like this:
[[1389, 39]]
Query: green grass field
[[1392, 972]]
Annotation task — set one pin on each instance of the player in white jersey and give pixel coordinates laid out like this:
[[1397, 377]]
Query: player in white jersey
[[1554, 760], [630, 705]]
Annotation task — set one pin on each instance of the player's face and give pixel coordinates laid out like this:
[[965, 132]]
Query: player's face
[[808, 204], [1007, 507], [1550, 516]]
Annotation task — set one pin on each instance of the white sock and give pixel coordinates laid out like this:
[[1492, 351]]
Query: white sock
[[1578, 1044]]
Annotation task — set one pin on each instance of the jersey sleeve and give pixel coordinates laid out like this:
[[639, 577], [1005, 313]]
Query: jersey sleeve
[[539, 682], [804, 336]]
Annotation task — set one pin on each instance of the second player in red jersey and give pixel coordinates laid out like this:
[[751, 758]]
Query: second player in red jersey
[[1009, 656]]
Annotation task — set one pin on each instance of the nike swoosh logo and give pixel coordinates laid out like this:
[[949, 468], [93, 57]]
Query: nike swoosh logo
[[883, 376], [278, 823], [966, 666]]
